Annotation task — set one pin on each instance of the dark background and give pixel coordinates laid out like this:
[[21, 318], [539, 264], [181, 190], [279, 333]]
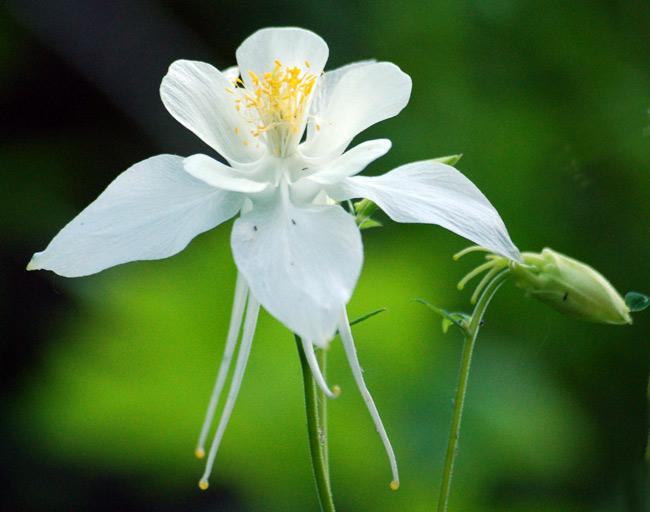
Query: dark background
[[105, 379]]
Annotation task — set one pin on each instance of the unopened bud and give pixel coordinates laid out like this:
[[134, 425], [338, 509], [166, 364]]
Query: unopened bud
[[570, 286]]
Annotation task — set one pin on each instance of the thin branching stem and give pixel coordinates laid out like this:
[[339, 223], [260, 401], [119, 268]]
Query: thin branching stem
[[468, 348]]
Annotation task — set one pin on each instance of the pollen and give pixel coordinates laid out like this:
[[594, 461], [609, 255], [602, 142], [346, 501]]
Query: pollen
[[275, 105]]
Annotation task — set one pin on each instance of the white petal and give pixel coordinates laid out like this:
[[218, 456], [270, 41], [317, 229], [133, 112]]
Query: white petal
[[231, 73], [352, 162], [302, 263], [434, 193], [196, 94], [308, 349], [326, 86], [351, 353], [216, 174], [151, 211], [236, 317], [292, 47], [250, 323], [362, 97]]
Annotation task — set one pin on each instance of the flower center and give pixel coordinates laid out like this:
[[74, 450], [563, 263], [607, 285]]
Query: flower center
[[275, 106]]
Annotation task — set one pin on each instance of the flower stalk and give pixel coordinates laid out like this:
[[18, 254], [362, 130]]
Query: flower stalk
[[563, 283], [317, 431], [470, 329]]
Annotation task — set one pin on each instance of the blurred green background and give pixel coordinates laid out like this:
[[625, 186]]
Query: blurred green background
[[106, 378]]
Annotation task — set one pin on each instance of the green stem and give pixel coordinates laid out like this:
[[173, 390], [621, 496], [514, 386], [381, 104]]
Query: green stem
[[647, 446], [317, 435], [468, 348]]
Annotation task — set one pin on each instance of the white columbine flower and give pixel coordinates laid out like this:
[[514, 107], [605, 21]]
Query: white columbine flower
[[283, 127]]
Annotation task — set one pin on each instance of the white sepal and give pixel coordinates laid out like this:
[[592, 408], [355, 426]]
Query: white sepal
[[434, 193], [301, 262], [150, 211]]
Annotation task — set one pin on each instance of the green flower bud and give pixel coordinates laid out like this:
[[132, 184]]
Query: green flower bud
[[570, 286]]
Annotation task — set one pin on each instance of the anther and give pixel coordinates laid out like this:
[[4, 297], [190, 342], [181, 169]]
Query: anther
[[203, 484], [200, 453]]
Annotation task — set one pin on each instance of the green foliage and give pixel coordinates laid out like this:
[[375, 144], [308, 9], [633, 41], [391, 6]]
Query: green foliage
[[449, 160], [366, 316], [637, 301], [460, 320]]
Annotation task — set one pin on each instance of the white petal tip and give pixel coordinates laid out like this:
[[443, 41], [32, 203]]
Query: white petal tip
[[33, 263], [203, 484], [394, 485], [330, 393]]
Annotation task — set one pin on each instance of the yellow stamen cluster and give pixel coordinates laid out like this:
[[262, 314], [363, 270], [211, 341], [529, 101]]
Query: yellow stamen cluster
[[275, 105]]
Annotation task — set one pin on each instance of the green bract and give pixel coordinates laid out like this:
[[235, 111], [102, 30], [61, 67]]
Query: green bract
[[570, 286]]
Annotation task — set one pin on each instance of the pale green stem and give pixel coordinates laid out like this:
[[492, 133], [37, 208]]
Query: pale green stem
[[323, 413], [468, 347], [316, 432]]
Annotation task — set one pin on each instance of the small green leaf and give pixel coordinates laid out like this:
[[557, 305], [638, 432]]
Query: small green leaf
[[370, 223], [637, 301], [365, 205], [449, 160], [365, 317], [460, 320], [364, 209], [445, 325]]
